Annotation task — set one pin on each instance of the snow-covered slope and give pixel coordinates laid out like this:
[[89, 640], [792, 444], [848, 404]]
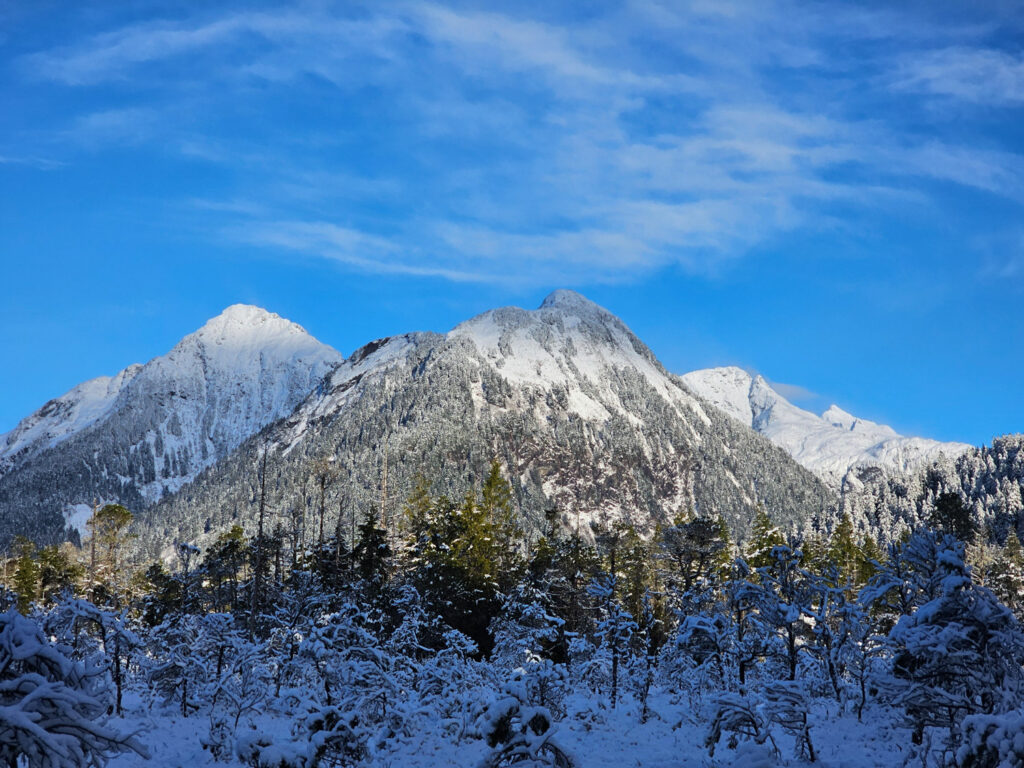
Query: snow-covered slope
[[152, 428], [567, 398], [830, 444], [64, 416]]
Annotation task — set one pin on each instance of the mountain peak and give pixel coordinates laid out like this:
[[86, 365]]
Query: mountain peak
[[837, 417], [248, 329], [247, 313], [242, 316], [241, 370], [566, 299]]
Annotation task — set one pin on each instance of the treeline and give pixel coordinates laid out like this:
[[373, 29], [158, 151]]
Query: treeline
[[359, 621]]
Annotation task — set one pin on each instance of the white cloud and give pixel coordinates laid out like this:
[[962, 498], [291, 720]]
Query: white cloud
[[978, 75], [589, 149]]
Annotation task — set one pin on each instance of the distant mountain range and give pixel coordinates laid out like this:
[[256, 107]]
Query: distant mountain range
[[578, 410], [831, 444]]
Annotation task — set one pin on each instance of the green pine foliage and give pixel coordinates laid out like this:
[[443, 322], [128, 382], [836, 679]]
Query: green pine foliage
[[764, 537], [26, 574]]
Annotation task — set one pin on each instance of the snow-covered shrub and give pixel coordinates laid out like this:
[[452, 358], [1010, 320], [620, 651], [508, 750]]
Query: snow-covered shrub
[[836, 625], [333, 738], [992, 741], [412, 637], [523, 630], [238, 690], [547, 685], [958, 654], [325, 737], [741, 718], [909, 577], [52, 708], [788, 706], [783, 606], [103, 637], [615, 628], [177, 672], [692, 661], [589, 666], [519, 732], [259, 750], [451, 683]]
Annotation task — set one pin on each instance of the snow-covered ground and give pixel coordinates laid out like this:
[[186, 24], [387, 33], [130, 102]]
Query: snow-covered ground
[[592, 733]]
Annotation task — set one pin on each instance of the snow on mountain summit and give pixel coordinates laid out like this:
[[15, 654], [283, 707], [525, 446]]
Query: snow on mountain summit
[[837, 417], [571, 343], [830, 444]]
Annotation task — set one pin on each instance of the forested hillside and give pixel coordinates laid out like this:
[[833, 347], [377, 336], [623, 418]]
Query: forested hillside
[[983, 486]]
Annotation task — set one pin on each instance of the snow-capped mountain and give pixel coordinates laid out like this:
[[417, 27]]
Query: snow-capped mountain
[[581, 413], [830, 444], [150, 429]]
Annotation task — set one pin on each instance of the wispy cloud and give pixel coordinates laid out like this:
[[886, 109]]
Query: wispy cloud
[[797, 394], [977, 75], [444, 140], [113, 55], [132, 125], [41, 163]]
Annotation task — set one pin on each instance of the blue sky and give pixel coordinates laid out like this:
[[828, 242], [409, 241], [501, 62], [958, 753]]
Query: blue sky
[[828, 193]]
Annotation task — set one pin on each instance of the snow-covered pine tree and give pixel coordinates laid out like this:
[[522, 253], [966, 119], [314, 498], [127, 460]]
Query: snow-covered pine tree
[[764, 537], [783, 603], [1008, 575], [960, 653], [615, 628]]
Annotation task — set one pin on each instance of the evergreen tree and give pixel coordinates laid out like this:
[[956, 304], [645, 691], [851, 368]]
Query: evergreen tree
[[456, 567], [843, 551], [742, 639], [417, 508], [26, 574], [951, 515], [222, 569], [575, 564], [1008, 581], [58, 571], [784, 598], [695, 550], [815, 551], [108, 528], [615, 627], [642, 594], [871, 555], [496, 504], [958, 654], [764, 537], [373, 554]]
